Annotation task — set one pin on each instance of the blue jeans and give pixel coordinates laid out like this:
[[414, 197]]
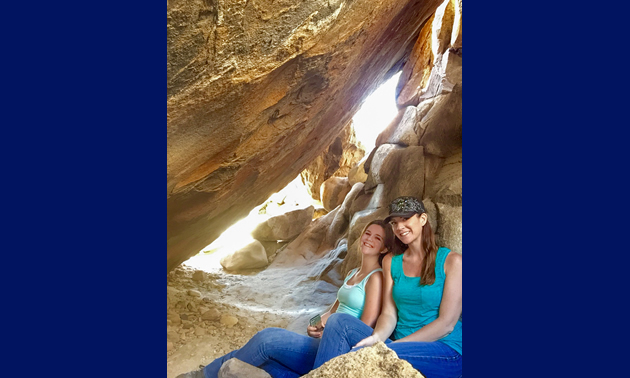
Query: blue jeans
[[433, 359], [281, 353]]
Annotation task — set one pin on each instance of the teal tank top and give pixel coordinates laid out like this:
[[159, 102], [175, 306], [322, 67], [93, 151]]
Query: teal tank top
[[419, 305], [352, 297]]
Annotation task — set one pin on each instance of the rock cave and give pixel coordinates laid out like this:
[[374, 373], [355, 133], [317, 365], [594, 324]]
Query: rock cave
[[260, 92]]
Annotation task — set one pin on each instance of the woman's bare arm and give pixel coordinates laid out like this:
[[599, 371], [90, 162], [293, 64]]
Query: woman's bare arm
[[387, 320], [373, 298]]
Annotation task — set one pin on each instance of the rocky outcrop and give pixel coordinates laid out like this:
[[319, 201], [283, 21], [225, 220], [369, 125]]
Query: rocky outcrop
[[420, 152], [336, 161], [333, 192], [256, 90], [377, 361]]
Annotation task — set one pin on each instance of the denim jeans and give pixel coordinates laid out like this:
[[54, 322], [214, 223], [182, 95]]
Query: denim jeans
[[281, 353], [432, 359]]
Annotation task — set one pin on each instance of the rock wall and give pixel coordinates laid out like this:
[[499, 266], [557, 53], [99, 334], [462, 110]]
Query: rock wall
[[420, 152], [257, 89]]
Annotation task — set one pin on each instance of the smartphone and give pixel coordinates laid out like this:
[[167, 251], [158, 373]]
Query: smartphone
[[315, 320]]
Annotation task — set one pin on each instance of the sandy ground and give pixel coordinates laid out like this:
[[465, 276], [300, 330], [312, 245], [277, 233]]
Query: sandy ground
[[204, 301]]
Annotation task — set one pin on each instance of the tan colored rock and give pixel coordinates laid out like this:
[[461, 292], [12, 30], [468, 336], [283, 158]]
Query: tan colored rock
[[375, 174], [456, 35], [319, 212], [313, 238], [271, 247], [377, 361], [357, 173], [252, 256], [404, 132], [442, 26], [336, 161], [443, 125], [199, 275], [417, 70], [433, 213], [193, 293], [172, 335], [369, 201], [211, 315], [229, 320], [334, 191], [285, 226], [449, 234], [174, 318], [403, 173], [170, 346], [257, 90], [446, 181]]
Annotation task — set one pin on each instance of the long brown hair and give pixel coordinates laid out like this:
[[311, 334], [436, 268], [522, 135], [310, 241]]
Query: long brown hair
[[427, 271], [388, 240]]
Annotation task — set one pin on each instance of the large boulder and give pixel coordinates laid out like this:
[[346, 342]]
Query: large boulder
[[285, 226], [376, 361], [376, 173], [357, 173], [333, 192], [251, 256]]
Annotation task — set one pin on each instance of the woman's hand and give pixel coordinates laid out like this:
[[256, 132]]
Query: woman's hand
[[368, 341], [315, 332]]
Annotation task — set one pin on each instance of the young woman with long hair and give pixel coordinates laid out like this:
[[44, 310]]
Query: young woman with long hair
[[283, 353]]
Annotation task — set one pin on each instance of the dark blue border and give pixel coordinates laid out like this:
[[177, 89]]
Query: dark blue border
[[543, 141], [84, 152]]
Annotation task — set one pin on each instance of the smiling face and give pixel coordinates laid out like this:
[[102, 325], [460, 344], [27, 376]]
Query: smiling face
[[372, 240], [408, 230]]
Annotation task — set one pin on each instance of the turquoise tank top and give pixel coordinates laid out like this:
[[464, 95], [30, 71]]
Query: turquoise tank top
[[352, 297], [419, 305]]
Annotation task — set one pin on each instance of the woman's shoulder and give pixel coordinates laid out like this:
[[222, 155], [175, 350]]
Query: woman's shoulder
[[453, 261], [375, 278]]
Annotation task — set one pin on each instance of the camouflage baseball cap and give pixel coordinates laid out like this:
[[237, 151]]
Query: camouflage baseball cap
[[405, 207]]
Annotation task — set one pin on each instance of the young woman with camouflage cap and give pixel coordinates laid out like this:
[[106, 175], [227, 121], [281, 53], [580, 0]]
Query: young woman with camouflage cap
[[422, 301]]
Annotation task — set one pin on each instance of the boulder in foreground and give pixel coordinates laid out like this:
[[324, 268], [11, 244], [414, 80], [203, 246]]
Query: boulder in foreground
[[377, 361]]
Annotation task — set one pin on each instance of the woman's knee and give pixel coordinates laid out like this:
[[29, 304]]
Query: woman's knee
[[338, 319], [270, 335]]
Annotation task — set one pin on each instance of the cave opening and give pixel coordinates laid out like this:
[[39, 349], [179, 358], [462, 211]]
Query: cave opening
[[375, 113]]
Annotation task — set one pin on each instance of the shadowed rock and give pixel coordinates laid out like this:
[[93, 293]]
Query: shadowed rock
[[235, 368]]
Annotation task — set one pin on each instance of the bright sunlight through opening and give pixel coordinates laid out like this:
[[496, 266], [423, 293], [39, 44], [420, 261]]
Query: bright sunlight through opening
[[376, 112]]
